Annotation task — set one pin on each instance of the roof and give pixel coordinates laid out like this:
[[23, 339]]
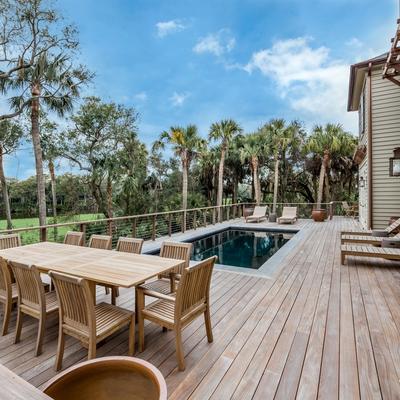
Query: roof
[[357, 74]]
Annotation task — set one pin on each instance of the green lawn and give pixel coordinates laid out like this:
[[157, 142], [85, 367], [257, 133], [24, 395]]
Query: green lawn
[[33, 236]]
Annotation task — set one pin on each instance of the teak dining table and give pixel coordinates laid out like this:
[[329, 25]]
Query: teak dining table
[[108, 267]]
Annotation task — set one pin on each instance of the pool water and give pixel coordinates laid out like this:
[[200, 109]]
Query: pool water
[[240, 248]]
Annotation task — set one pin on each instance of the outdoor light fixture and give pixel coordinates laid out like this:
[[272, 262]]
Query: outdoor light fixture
[[394, 163], [361, 182]]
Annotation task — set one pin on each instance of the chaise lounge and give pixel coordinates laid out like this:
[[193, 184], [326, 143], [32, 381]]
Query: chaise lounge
[[372, 240], [377, 233], [259, 214], [289, 215], [387, 253]]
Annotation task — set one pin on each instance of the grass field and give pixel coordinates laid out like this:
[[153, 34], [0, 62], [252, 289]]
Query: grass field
[[33, 236]]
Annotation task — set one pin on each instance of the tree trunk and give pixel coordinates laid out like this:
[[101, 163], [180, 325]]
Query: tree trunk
[[220, 181], [321, 185], [4, 189], [53, 195], [257, 190], [276, 183], [184, 183], [37, 149], [110, 211], [327, 188]]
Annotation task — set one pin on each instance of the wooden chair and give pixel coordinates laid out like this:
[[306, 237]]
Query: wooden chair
[[166, 283], [8, 293], [85, 321], [74, 238], [381, 233], [103, 242], [127, 245], [192, 299], [386, 253], [8, 241], [32, 300]]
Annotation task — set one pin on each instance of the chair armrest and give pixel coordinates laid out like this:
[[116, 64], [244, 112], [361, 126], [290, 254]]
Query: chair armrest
[[157, 295]]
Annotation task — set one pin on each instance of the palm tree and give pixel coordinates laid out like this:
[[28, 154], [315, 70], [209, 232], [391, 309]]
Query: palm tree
[[251, 152], [186, 144], [224, 131], [10, 136], [280, 136], [326, 142]]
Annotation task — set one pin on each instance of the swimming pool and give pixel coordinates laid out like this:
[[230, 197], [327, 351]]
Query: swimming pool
[[240, 248]]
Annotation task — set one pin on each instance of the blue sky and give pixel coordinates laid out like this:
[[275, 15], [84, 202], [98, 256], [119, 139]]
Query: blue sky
[[181, 62]]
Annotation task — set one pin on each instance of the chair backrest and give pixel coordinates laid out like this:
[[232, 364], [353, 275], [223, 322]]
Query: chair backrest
[[194, 287], [177, 251], [393, 226], [259, 211], [345, 205], [76, 306], [130, 245], [100, 242], [289, 212], [74, 238], [29, 285], [8, 241], [5, 278]]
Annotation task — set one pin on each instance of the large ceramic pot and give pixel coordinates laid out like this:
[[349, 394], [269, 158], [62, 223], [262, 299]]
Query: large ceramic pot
[[319, 215], [117, 378]]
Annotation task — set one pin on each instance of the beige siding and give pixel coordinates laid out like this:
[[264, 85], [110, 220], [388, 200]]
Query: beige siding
[[385, 137]]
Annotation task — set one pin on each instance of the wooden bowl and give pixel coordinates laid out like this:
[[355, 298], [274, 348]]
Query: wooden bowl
[[111, 378]]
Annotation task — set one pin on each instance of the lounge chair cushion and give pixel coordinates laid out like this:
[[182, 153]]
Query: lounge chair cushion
[[379, 233], [391, 242]]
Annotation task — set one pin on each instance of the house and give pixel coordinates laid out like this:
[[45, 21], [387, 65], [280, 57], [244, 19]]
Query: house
[[377, 101]]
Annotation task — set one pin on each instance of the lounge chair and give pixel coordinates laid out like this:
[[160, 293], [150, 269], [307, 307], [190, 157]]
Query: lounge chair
[[259, 214], [373, 240], [381, 233], [289, 215], [350, 211], [369, 251]]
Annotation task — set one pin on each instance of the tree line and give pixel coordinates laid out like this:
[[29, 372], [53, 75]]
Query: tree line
[[40, 77]]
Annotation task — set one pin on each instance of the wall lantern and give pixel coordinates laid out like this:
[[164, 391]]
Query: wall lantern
[[394, 163], [361, 182]]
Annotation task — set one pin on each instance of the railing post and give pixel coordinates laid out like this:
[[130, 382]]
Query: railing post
[[153, 231], [134, 227], [205, 218], [43, 234], [194, 219], [110, 227], [227, 213], [82, 228], [170, 225], [213, 216], [184, 221]]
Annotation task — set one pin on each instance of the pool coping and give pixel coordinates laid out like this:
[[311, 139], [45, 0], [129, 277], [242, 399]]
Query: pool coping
[[267, 270]]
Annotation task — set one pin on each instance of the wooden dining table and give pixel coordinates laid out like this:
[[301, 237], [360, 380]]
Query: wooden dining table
[[112, 268], [15, 388]]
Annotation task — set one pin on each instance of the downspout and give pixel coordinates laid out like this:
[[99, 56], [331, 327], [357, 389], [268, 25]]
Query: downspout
[[369, 150]]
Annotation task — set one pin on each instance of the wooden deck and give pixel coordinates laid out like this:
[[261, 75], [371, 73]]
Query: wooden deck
[[317, 330]]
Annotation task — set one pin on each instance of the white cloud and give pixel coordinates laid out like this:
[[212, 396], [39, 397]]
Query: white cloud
[[141, 96], [218, 43], [313, 84], [177, 99], [354, 43], [165, 28]]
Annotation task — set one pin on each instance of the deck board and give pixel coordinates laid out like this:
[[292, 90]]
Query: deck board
[[316, 329]]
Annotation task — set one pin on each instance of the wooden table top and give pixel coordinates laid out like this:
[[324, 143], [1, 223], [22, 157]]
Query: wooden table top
[[15, 388], [100, 266]]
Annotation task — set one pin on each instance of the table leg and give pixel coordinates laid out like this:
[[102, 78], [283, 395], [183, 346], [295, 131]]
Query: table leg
[[92, 287]]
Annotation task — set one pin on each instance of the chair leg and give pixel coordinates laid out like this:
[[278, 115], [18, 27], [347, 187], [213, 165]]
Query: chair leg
[[207, 320], [131, 350], [39, 341], [6, 320], [60, 347], [92, 349], [19, 326], [113, 296], [179, 349], [107, 290]]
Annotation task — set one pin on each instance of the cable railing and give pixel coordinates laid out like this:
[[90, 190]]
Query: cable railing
[[161, 224]]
